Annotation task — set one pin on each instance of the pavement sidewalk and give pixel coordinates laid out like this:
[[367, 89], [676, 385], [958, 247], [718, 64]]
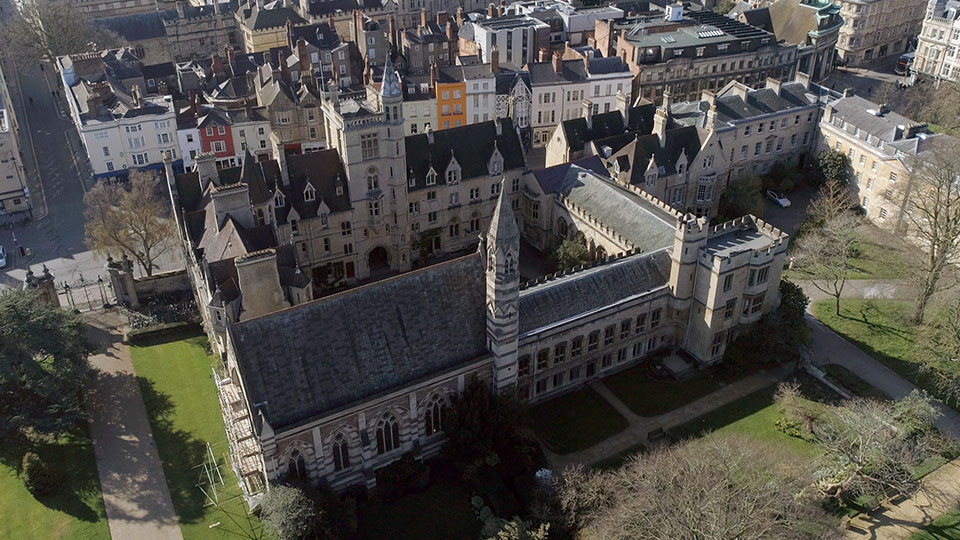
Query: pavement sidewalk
[[135, 493], [939, 494]]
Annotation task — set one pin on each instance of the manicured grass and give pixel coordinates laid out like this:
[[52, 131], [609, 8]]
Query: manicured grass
[[754, 415], [876, 257], [647, 397], [945, 527], [178, 390], [882, 329], [576, 421], [442, 511], [852, 383], [75, 511]]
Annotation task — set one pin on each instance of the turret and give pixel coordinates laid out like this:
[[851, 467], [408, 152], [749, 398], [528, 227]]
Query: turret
[[689, 239], [391, 93], [501, 250]]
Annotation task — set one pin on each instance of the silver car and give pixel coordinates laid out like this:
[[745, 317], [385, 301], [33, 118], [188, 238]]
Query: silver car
[[3, 257]]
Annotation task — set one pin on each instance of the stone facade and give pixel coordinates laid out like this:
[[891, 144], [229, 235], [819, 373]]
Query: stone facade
[[939, 41], [875, 29]]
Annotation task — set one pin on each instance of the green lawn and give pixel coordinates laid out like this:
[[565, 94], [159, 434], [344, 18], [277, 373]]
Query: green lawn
[[945, 527], [852, 383], [576, 421], [882, 329], [177, 384], [74, 512], [753, 415], [647, 397], [442, 511], [876, 257]]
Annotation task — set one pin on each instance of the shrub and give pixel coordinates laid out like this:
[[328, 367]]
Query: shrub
[[39, 478], [143, 335], [288, 514], [405, 475]]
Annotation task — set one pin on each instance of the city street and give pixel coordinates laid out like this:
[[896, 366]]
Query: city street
[[57, 176]]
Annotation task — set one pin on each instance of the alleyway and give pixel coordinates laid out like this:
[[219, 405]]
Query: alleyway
[[134, 487]]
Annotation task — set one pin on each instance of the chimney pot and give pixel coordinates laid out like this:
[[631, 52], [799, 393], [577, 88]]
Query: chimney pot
[[557, 62]]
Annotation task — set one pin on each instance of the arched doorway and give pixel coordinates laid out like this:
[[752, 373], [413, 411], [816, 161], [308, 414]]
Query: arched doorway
[[378, 260]]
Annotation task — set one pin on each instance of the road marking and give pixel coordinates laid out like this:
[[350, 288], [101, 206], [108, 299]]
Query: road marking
[[73, 158]]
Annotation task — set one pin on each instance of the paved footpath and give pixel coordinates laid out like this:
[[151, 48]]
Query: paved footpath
[[939, 494], [638, 427], [134, 487]]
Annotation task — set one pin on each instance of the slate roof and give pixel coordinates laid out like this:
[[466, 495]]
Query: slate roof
[[262, 19], [760, 18], [854, 109], [323, 170], [601, 125], [313, 358], [642, 148], [551, 179], [472, 145], [732, 107], [643, 223], [506, 80], [320, 35], [135, 27], [592, 289], [542, 73]]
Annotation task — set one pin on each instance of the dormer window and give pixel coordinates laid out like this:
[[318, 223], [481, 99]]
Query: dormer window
[[411, 178], [453, 176], [496, 167], [309, 194], [680, 167], [661, 170], [278, 200], [431, 177], [339, 189]]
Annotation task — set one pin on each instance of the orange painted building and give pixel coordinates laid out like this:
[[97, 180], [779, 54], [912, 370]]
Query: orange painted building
[[451, 96]]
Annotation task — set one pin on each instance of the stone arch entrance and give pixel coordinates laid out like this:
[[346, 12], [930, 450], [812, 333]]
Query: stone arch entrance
[[378, 260]]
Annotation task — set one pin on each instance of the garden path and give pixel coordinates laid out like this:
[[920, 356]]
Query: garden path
[[639, 427], [135, 493], [939, 494]]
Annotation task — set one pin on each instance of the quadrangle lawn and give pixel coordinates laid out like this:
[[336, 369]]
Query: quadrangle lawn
[[178, 390], [945, 527], [647, 397], [576, 420], [75, 512]]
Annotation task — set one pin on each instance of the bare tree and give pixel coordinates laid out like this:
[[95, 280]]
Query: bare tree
[[833, 198], [942, 107], [42, 31], [713, 488], [933, 217], [870, 446], [131, 219], [938, 348], [823, 253]]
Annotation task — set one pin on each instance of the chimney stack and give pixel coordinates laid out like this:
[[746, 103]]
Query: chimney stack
[[423, 17], [434, 73], [442, 18], [305, 66], [586, 109], [459, 16], [137, 96], [774, 84], [259, 282], [494, 60], [491, 10], [542, 55], [557, 62], [623, 105], [232, 200]]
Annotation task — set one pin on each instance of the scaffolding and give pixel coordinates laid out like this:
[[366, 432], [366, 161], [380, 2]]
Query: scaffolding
[[245, 452]]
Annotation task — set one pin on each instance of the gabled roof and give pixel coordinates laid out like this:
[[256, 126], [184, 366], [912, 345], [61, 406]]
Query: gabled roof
[[643, 223], [642, 148], [317, 357], [472, 145], [136, 26], [551, 178], [323, 170], [507, 80], [601, 125], [592, 289], [542, 73], [262, 19]]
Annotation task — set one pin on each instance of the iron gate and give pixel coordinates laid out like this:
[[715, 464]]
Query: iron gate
[[87, 295]]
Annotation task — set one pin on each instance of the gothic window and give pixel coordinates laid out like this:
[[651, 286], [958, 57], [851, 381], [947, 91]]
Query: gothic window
[[309, 194], [373, 179], [278, 200], [509, 264], [341, 453], [433, 418], [388, 434], [297, 466], [561, 227], [496, 167], [431, 177]]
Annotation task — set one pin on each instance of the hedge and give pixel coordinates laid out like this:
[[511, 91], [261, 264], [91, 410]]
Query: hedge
[[140, 335]]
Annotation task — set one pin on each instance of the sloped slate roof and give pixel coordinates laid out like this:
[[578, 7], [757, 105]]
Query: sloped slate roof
[[551, 178], [646, 225], [471, 144], [322, 170], [601, 125], [762, 101], [136, 26], [542, 73], [319, 356], [592, 289]]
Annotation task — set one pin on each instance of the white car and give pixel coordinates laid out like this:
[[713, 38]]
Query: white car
[[778, 199], [3, 258]]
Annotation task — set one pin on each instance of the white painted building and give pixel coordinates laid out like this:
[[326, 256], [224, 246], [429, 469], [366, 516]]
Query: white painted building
[[516, 37], [120, 128], [938, 47]]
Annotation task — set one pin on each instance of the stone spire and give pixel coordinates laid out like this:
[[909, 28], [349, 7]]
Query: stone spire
[[502, 248], [390, 88]]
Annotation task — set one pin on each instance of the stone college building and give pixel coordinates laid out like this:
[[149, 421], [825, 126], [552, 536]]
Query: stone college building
[[352, 292]]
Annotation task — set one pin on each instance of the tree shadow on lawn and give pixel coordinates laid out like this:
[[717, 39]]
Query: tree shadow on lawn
[[72, 456], [182, 454], [868, 312]]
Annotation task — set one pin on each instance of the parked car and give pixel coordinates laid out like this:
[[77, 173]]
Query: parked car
[[778, 199], [3, 258]]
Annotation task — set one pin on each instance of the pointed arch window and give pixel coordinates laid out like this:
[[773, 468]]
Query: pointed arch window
[[509, 264], [309, 194], [279, 201], [341, 453], [431, 177], [373, 179], [433, 418], [388, 434], [496, 166], [297, 466]]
